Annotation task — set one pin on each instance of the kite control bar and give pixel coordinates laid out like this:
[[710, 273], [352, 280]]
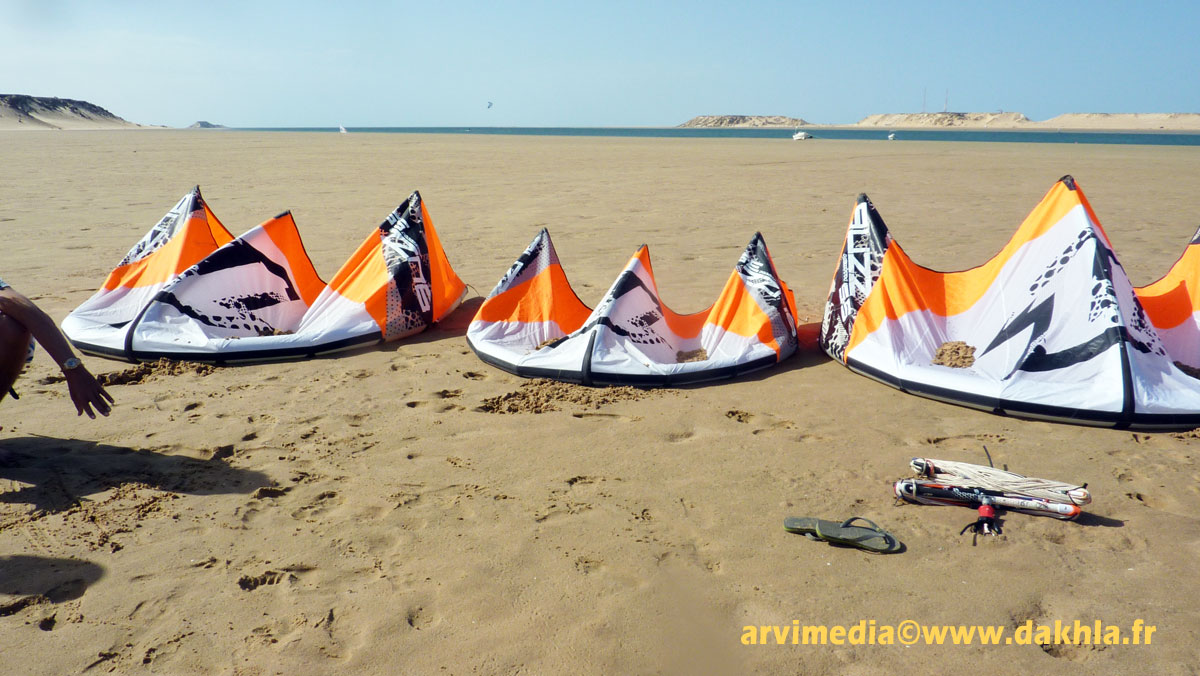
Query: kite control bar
[[931, 493]]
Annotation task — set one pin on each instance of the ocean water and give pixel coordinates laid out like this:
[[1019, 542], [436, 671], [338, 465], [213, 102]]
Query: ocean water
[[1152, 138]]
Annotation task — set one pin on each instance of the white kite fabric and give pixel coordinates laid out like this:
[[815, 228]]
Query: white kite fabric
[[1049, 328], [190, 291], [532, 324]]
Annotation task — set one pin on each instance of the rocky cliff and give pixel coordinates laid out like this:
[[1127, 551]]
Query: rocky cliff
[[744, 121]]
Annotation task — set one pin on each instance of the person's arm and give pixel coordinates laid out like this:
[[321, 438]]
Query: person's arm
[[86, 392]]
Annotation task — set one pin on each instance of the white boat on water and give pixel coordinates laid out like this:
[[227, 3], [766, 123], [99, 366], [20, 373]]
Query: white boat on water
[[341, 129], [801, 136], [892, 136]]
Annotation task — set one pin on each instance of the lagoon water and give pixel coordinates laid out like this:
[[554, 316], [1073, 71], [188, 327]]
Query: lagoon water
[[1151, 138]]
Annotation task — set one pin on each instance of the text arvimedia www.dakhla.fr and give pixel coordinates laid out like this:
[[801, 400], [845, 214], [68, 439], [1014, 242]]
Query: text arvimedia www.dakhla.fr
[[910, 632]]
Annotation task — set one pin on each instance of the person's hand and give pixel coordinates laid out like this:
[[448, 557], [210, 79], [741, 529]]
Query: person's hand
[[87, 392]]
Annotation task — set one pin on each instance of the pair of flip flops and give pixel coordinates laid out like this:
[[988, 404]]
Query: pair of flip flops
[[870, 538]]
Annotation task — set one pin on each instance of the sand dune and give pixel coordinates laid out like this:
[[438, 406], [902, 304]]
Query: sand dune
[[20, 112], [1091, 121], [1081, 121], [1000, 120], [375, 514], [1138, 121]]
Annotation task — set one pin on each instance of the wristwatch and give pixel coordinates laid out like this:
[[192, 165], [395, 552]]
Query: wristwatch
[[71, 363]]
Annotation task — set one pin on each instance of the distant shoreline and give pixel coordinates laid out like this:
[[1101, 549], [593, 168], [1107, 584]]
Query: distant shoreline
[[1114, 122], [603, 131], [20, 112], [773, 134]]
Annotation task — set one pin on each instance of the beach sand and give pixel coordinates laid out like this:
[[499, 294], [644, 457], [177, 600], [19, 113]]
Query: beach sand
[[362, 514]]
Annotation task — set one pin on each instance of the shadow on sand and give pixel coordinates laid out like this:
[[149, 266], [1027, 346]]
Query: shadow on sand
[[1095, 520], [60, 471], [41, 578]]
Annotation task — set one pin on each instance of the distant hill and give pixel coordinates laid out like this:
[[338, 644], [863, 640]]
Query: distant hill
[[1007, 120], [1112, 121], [744, 121], [206, 125], [18, 111], [1096, 121]]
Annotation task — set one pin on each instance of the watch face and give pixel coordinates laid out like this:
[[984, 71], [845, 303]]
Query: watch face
[[71, 363]]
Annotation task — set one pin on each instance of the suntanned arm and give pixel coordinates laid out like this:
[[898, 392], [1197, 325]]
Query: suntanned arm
[[86, 392]]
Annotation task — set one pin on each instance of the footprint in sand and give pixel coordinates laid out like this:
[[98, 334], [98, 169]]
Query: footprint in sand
[[587, 565], [774, 424], [270, 492], [606, 416], [679, 436], [443, 408], [418, 618], [319, 505], [474, 375], [576, 498], [689, 553], [561, 507], [406, 499], [270, 577], [273, 577], [453, 500], [739, 416], [221, 452]]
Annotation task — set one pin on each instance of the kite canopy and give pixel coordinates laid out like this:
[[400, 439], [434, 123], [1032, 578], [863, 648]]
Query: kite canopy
[[533, 324], [1173, 305], [189, 232], [1056, 329], [189, 291]]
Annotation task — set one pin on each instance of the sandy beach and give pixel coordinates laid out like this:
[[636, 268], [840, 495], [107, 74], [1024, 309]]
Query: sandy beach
[[362, 515]]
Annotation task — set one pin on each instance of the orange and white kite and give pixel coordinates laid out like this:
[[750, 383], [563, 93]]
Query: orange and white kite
[[1173, 306], [1049, 328], [533, 324], [189, 291]]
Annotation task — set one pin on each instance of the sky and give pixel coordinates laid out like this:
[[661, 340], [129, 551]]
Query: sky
[[596, 63]]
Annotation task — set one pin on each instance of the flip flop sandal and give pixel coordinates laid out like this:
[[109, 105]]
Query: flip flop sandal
[[873, 539]]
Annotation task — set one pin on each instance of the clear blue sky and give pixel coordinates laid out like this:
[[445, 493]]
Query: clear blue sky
[[597, 62]]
